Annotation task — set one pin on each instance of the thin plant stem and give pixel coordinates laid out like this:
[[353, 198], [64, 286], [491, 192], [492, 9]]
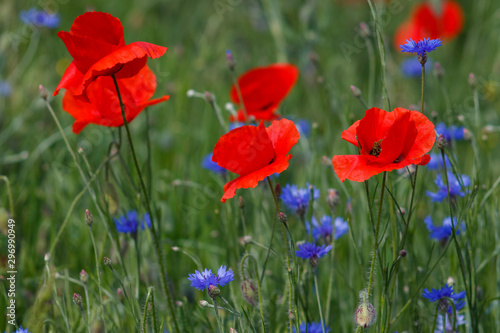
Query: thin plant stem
[[332, 255], [148, 207], [150, 299], [98, 272], [153, 309], [274, 228], [261, 310], [422, 94], [435, 318], [375, 236], [315, 277], [216, 309], [217, 110], [138, 260], [131, 305], [240, 96]]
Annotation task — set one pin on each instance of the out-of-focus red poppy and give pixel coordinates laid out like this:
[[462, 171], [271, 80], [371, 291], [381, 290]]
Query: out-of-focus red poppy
[[103, 107], [255, 152], [97, 45], [386, 141], [263, 89], [426, 22]]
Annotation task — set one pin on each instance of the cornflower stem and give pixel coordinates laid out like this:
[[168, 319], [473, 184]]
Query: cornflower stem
[[274, 228], [435, 318], [125, 293], [148, 207], [216, 309], [218, 112], [291, 309], [375, 236], [422, 95], [138, 259], [98, 276], [332, 255], [371, 75], [458, 250], [315, 277], [83, 316], [254, 261]]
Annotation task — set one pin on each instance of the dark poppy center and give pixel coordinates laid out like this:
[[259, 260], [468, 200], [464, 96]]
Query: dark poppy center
[[376, 149]]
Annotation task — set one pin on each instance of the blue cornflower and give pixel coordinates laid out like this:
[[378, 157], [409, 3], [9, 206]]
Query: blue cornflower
[[206, 278], [311, 250], [443, 295], [40, 18], [436, 162], [412, 68], [304, 126], [455, 187], [208, 164], [20, 330], [448, 322], [297, 199], [324, 229], [422, 46], [5, 89], [129, 223], [444, 231], [312, 328], [457, 133]]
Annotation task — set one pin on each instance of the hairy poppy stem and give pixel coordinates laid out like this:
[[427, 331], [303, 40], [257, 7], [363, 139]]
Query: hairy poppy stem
[[375, 236], [148, 207]]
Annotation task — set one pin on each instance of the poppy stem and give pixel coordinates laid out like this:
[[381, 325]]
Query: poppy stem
[[375, 236], [148, 207]]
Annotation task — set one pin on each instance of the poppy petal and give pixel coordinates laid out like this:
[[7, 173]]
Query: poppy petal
[[284, 135], [244, 149], [71, 80], [263, 88], [251, 180]]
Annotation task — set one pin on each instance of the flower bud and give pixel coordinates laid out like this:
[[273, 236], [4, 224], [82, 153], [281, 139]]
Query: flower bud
[[422, 58], [365, 315], [364, 30], [120, 294], [203, 303], [282, 217], [84, 277], [472, 81], [43, 92], [213, 291], [247, 288], [208, 97], [245, 240], [89, 219], [313, 262], [230, 60], [355, 91], [441, 142], [107, 261], [77, 299], [333, 198], [438, 70], [402, 253], [232, 330], [241, 202]]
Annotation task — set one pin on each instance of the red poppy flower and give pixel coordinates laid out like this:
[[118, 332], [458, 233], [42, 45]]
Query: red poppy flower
[[255, 152], [97, 45], [263, 89], [425, 22], [103, 107], [387, 141]]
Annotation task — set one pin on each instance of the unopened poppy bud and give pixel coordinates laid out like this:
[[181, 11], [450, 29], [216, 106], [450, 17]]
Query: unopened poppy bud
[[84, 277], [333, 198], [438, 70], [277, 190], [89, 219], [402, 253], [208, 97], [441, 142], [46, 257], [472, 80], [77, 299], [230, 60], [282, 217], [247, 288], [241, 202], [213, 291], [364, 30], [365, 315], [107, 261], [203, 303], [43, 92], [422, 58], [355, 91]]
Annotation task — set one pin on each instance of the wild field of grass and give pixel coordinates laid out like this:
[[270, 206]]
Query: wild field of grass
[[62, 194]]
